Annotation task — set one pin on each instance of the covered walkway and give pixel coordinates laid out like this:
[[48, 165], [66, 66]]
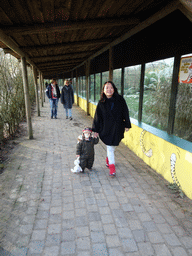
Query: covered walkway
[[47, 210]]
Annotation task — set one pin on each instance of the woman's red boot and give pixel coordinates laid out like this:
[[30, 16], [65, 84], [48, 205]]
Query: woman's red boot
[[107, 162], [112, 171]]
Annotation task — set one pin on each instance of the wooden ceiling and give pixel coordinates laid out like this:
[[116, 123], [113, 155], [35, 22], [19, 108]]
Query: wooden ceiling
[[56, 36]]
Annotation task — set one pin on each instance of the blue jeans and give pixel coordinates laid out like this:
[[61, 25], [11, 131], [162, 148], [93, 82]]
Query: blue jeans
[[53, 105], [68, 112]]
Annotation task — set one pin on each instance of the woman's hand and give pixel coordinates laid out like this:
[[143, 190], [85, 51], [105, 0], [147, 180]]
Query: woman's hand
[[126, 129], [96, 134]]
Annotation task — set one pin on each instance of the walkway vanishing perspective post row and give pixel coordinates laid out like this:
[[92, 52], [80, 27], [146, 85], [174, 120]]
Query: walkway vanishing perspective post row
[[48, 210]]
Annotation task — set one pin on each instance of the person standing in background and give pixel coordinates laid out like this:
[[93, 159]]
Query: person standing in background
[[67, 98], [53, 93]]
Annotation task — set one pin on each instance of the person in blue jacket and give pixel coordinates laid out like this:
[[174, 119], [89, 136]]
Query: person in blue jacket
[[111, 120], [53, 93]]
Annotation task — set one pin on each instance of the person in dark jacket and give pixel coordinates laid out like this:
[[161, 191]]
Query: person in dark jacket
[[85, 148], [53, 93], [67, 99], [111, 120]]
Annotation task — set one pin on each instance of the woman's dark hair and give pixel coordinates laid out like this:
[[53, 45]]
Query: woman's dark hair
[[103, 96]]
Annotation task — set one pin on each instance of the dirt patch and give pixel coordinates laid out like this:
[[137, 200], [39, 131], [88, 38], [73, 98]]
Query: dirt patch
[[8, 144]]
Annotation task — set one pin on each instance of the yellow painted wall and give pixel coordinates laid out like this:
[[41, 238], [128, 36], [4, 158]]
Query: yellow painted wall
[[83, 104], [172, 162]]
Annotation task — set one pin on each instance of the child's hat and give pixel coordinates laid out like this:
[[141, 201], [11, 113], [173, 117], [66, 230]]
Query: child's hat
[[87, 129]]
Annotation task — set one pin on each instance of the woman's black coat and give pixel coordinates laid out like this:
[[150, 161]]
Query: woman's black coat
[[67, 96], [111, 124]]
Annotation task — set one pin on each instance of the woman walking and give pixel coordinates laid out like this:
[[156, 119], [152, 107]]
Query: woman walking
[[111, 120], [67, 99]]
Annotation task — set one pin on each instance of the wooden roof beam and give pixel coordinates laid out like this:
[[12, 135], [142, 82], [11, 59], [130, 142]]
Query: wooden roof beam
[[64, 45], [66, 26], [186, 8], [55, 69], [41, 59], [55, 63]]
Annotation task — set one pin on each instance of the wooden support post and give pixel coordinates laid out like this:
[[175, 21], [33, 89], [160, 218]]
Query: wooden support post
[[87, 84], [27, 100], [111, 63], [173, 98], [36, 90], [122, 80], [77, 88], [94, 87], [41, 87], [141, 92], [101, 82]]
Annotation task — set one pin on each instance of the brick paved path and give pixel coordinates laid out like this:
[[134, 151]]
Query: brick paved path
[[47, 210]]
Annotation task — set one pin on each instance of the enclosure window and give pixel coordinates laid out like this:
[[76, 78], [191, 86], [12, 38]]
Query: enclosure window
[[97, 87], [80, 86], [74, 85], [84, 92], [91, 88], [183, 117], [105, 77], [131, 89], [157, 89], [117, 79]]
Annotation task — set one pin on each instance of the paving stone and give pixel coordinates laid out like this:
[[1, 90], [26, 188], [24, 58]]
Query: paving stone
[[67, 248], [68, 215], [83, 243], [82, 231], [145, 249], [172, 239], [38, 235], [179, 251], [187, 241], [113, 241], [149, 226], [106, 219], [55, 219], [100, 249], [129, 245], [110, 229], [51, 251], [81, 221], [36, 247], [139, 235], [94, 216], [116, 252], [54, 228], [68, 235], [161, 250], [97, 237], [84, 253], [134, 224], [125, 233], [40, 224], [127, 207], [104, 210], [155, 237], [55, 210], [96, 226], [53, 239], [26, 229]]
